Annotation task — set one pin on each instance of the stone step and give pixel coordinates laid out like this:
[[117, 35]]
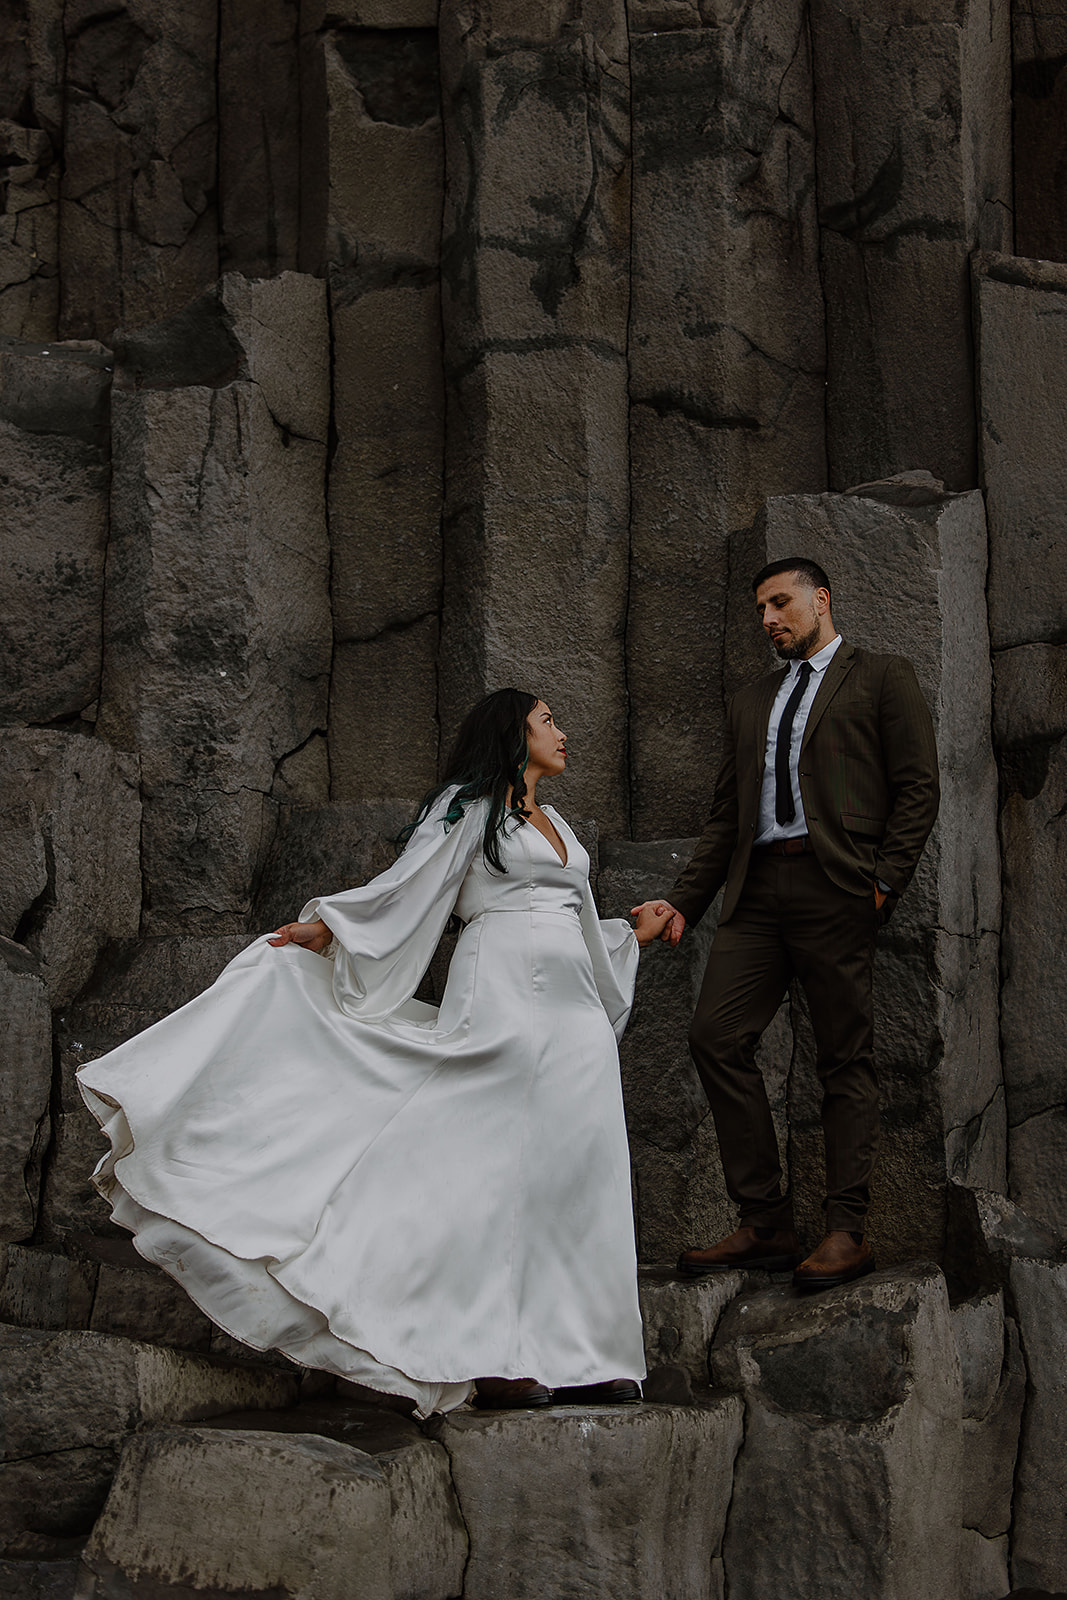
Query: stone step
[[680, 1317], [38, 1580], [887, 1420], [241, 1513], [69, 1401], [336, 1499], [854, 1414], [429, 1544], [602, 1503]]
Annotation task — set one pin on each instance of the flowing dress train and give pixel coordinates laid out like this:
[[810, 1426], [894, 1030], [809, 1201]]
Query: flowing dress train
[[408, 1196]]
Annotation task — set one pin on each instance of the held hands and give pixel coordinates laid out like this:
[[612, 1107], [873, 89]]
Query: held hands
[[657, 919], [313, 936]]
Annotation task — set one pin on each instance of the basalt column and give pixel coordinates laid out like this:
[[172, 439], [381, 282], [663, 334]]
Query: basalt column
[[1039, 127], [913, 121], [1022, 363], [216, 608], [138, 232], [32, 57], [374, 161], [726, 356], [55, 471], [534, 299], [259, 136]]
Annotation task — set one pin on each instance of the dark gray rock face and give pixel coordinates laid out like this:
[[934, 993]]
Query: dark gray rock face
[[342, 1496], [138, 207], [1030, 706], [427, 1538], [680, 1318], [994, 1390], [913, 133], [1039, 128], [42, 1290], [25, 1087], [31, 127], [726, 355], [380, 237], [179, 1493], [534, 278], [102, 1285], [71, 1399], [31, 1579], [852, 1406], [217, 609], [1039, 1542], [678, 1192], [259, 136], [987, 1232], [325, 849], [1021, 308], [54, 457], [1034, 839], [136, 984], [651, 1499], [70, 816]]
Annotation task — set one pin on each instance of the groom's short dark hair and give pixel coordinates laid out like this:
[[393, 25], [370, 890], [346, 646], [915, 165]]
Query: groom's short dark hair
[[810, 571]]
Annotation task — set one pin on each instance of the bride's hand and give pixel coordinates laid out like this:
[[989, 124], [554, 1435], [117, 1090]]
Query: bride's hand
[[313, 936], [652, 918]]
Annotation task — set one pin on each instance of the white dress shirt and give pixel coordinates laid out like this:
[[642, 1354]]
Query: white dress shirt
[[768, 828]]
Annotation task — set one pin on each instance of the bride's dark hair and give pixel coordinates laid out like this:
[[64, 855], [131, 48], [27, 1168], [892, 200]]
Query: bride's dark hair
[[488, 757]]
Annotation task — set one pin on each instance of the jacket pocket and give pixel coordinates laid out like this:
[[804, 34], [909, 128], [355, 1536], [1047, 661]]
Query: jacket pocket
[[872, 827]]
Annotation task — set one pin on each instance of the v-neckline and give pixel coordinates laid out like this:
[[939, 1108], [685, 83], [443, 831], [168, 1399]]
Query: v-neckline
[[564, 861]]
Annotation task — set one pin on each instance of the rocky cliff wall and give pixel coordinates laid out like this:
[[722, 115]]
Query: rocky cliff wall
[[355, 360]]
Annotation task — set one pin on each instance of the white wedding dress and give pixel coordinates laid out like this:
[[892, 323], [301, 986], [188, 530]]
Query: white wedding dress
[[408, 1197]]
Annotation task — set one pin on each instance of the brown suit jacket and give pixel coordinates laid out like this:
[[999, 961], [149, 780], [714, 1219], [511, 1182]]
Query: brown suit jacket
[[868, 781]]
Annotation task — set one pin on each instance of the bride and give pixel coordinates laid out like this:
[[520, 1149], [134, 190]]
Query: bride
[[417, 1199]]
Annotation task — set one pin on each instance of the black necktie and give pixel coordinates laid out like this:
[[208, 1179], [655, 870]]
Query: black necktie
[[784, 809]]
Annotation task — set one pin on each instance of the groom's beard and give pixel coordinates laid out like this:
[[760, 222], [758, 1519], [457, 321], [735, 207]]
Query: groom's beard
[[797, 650]]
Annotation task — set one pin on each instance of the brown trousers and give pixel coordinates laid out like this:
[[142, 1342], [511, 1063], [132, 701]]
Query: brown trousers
[[791, 921]]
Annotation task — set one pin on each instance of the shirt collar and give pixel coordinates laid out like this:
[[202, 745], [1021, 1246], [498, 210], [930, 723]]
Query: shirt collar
[[820, 661]]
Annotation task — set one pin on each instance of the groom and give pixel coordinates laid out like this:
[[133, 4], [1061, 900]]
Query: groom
[[826, 795]]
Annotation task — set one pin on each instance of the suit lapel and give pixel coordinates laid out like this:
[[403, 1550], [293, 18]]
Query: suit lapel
[[837, 671]]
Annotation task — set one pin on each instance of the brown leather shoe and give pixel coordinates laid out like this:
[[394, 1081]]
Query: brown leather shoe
[[613, 1392], [745, 1248], [841, 1258], [510, 1394]]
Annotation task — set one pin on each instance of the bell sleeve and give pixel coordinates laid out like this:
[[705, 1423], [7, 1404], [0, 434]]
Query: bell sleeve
[[387, 931], [613, 947]]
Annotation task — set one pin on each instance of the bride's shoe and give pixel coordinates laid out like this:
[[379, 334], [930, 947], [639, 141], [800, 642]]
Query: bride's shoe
[[510, 1394]]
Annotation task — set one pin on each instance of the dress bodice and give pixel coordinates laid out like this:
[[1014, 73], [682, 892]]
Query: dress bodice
[[386, 931], [536, 879]]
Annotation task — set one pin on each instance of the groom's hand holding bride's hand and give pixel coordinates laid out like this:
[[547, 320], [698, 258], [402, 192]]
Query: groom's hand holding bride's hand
[[313, 936], [657, 919]]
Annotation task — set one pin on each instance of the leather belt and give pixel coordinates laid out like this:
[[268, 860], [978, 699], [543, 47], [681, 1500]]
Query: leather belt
[[786, 847]]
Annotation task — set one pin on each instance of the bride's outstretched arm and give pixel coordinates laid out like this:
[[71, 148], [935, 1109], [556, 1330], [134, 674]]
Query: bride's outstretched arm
[[387, 930]]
